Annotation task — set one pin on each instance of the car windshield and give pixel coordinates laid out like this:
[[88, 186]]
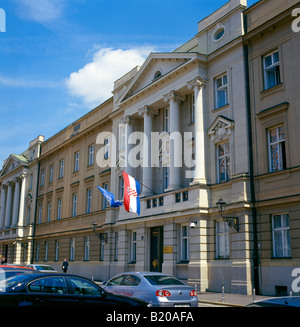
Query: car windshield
[[43, 268], [163, 280], [8, 284]]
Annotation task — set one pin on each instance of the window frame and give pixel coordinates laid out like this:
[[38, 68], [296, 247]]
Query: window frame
[[281, 143], [76, 160], [91, 151], [274, 64], [184, 243], [225, 156], [285, 236], [222, 88], [222, 238]]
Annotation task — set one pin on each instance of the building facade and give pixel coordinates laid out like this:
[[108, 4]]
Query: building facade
[[214, 119], [68, 200], [274, 75], [18, 180]]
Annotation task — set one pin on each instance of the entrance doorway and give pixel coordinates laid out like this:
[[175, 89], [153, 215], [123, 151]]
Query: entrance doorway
[[156, 248]]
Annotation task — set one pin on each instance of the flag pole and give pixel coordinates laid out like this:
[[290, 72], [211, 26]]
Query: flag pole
[[146, 187]]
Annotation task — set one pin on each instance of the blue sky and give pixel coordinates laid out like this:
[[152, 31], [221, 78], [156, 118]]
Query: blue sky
[[59, 58]]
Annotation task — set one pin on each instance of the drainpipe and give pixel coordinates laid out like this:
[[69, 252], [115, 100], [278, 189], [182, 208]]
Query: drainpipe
[[251, 168], [35, 211]]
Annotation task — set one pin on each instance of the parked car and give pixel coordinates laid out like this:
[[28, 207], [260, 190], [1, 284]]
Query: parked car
[[9, 270], [59, 290], [159, 289], [42, 267], [283, 301]]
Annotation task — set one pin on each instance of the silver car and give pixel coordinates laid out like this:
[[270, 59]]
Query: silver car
[[159, 289]]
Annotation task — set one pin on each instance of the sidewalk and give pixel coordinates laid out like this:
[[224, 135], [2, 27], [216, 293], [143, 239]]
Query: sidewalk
[[233, 300]]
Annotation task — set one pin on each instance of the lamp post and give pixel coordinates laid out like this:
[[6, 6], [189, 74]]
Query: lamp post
[[231, 221]]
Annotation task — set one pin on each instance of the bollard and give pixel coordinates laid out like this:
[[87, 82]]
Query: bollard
[[253, 294], [223, 295]]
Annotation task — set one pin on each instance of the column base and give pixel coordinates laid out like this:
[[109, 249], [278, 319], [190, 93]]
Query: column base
[[199, 181]]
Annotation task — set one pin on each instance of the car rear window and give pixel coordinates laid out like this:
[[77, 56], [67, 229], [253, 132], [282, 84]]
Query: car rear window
[[163, 280]]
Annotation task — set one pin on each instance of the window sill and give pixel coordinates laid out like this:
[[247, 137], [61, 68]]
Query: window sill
[[183, 263], [281, 258], [271, 90], [221, 107]]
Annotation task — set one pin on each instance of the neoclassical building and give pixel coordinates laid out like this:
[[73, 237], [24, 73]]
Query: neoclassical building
[[18, 180], [273, 49], [212, 123]]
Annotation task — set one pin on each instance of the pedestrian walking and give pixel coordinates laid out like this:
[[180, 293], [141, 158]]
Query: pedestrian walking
[[65, 266]]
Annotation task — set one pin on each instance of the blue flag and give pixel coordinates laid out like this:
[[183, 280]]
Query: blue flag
[[110, 197]]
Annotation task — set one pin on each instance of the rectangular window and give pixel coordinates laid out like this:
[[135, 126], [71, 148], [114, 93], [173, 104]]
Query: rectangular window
[[91, 155], [37, 252], [271, 70], [86, 248], [89, 200], [121, 187], [166, 177], [56, 258], [184, 243], [221, 91], [76, 161], [59, 202], [72, 249], [51, 173], [42, 177], [40, 213], [133, 246], [223, 162], [74, 205], [166, 120], [192, 110], [46, 251], [277, 155], [122, 136], [222, 240], [281, 236], [61, 168], [116, 246], [106, 148], [103, 239], [49, 211]]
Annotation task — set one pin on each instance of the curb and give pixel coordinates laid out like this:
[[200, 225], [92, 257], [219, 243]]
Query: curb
[[225, 304]]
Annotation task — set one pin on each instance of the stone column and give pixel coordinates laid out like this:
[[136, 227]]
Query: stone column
[[174, 99], [16, 203], [21, 220], [148, 114], [3, 205], [197, 85], [7, 221]]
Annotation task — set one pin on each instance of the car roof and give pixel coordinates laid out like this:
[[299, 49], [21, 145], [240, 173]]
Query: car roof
[[12, 266], [282, 300]]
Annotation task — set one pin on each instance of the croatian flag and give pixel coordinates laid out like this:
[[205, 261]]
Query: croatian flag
[[131, 194]]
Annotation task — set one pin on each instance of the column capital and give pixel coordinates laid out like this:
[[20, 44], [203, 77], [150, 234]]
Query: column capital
[[148, 111], [198, 81], [128, 119], [174, 96]]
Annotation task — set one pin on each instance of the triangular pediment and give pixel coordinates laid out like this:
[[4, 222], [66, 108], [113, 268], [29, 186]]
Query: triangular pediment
[[12, 162], [221, 128], [156, 67]]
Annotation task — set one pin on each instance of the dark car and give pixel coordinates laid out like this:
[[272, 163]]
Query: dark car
[[284, 301], [59, 290], [7, 271]]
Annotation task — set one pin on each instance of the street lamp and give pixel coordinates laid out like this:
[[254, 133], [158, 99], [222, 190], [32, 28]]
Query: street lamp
[[231, 221], [102, 236]]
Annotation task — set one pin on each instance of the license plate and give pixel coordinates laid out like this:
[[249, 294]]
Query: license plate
[[182, 305]]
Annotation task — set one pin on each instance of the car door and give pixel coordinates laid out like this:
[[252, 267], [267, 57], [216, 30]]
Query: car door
[[129, 285], [87, 294], [48, 292], [114, 284]]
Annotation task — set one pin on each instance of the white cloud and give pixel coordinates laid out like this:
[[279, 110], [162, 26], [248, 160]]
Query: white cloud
[[94, 82], [41, 11]]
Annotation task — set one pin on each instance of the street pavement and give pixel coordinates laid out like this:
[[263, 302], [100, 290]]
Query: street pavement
[[229, 299]]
